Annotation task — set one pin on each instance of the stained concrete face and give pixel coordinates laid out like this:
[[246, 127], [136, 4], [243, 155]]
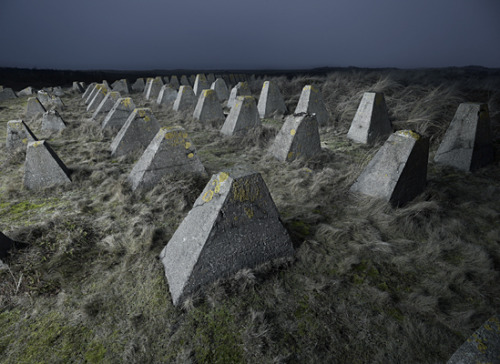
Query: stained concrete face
[[43, 168], [186, 99], [311, 102], [51, 120], [241, 89], [398, 172], [242, 117], [18, 135], [55, 102], [154, 88], [136, 134], [7, 94], [170, 152], [297, 138], [482, 347], [138, 85], [174, 82], [200, 84], [77, 87], [122, 86], [220, 88], [467, 144], [58, 91], [28, 91], [210, 78], [371, 121], [167, 95], [87, 92], [43, 96], [98, 97], [166, 81], [106, 104], [271, 101], [234, 224], [192, 78], [92, 94], [119, 114], [34, 107], [208, 109], [185, 81]]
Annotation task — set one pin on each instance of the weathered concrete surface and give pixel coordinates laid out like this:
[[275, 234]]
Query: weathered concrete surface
[[234, 224], [174, 82], [208, 109], [98, 97], [122, 86], [210, 78], [200, 84], [170, 152], [311, 102], [220, 88], [51, 120], [77, 87], [18, 135], [119, 114], [44, 97], [467, 144], [87, 92], [136, 134], [5, 245], [185, 81], [192, 78], [186, 99], [138, 85], [297, 138], [28, 91], [167, 95], [58, 91], [482, 347], [34, 107], [232, 80], [153, 88], [271, 101], [106, 104], [242, 117], [166, 81], [43, 168], [371, 121], [398, 172], [241, 89], [55, 102], [149, 81], [7, 94], [96, 89]]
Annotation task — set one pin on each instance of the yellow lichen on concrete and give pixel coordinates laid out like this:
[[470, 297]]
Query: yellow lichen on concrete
[[409, 134], [190, 155], [37, 144], [289, 155], [126, 102], [292, 132], [242, 192], [216, 183], [187, 145], [25, 140], [249, 212]]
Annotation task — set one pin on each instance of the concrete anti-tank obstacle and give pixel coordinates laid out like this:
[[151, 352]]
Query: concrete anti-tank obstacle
[[98, 97], [241, 89], [43, 168], [7, 94], [34, 107], [136, 134], [167, 95], [371, 121], [186, 99], [18, 135], [106, 104], [118, 115], [208, 109], [483, 346], [93, 92], [192, 78], [77, 87], [27, 91], [467, 144], [138, 85], [58, 91], [171, 151], [147, 86], [210, 78], [398, 172], [51, 120], [184, 81], [271, 100], [297, 138], [242, 117], [234, 224], [174, 82], [44, 97], [122, 86], [5, 245], [87, 92], [166, 80], [55, 102], [200, 84], [220, 88], [153, 88], [311, 102]]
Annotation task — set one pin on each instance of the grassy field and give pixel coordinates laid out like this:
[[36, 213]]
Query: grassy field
[[369, 283]]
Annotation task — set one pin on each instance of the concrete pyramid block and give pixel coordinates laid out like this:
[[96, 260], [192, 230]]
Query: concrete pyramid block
[[122, 86], [297, 138], [210, 78], [220, 88], [186, 99], [92, 93], [77, 87], [136, 134], [153, 88], [482, 347], [241, 89], [58, 91], [43, 168], [5, 245], [102, 91], [34, 107], [171, 151], [119, 114], [106, 104], [55, 102], [185, 81], [28, 91], [467, 143], [208, 109], [7, 94], [234, 224], [398, 172], [147, 86], [43, 96], [87, 92], [167, 95], [165, 80], [138, 85], [18, 135], [371, 120], [200, 84], [311, 102], [51, 120], [271, 101], [242, 117], [232, 79], [174, 82], [192, 78]]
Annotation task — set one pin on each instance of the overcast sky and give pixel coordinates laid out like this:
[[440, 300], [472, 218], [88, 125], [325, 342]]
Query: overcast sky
[[256, 34]]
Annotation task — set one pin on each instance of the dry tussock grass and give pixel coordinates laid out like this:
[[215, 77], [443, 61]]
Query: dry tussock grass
[[368, 283]]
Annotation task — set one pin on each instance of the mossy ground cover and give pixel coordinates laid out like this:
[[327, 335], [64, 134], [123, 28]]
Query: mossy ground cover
[[368, 282]]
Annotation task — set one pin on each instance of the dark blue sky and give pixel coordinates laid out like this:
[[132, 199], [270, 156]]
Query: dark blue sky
[[231, 34]]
